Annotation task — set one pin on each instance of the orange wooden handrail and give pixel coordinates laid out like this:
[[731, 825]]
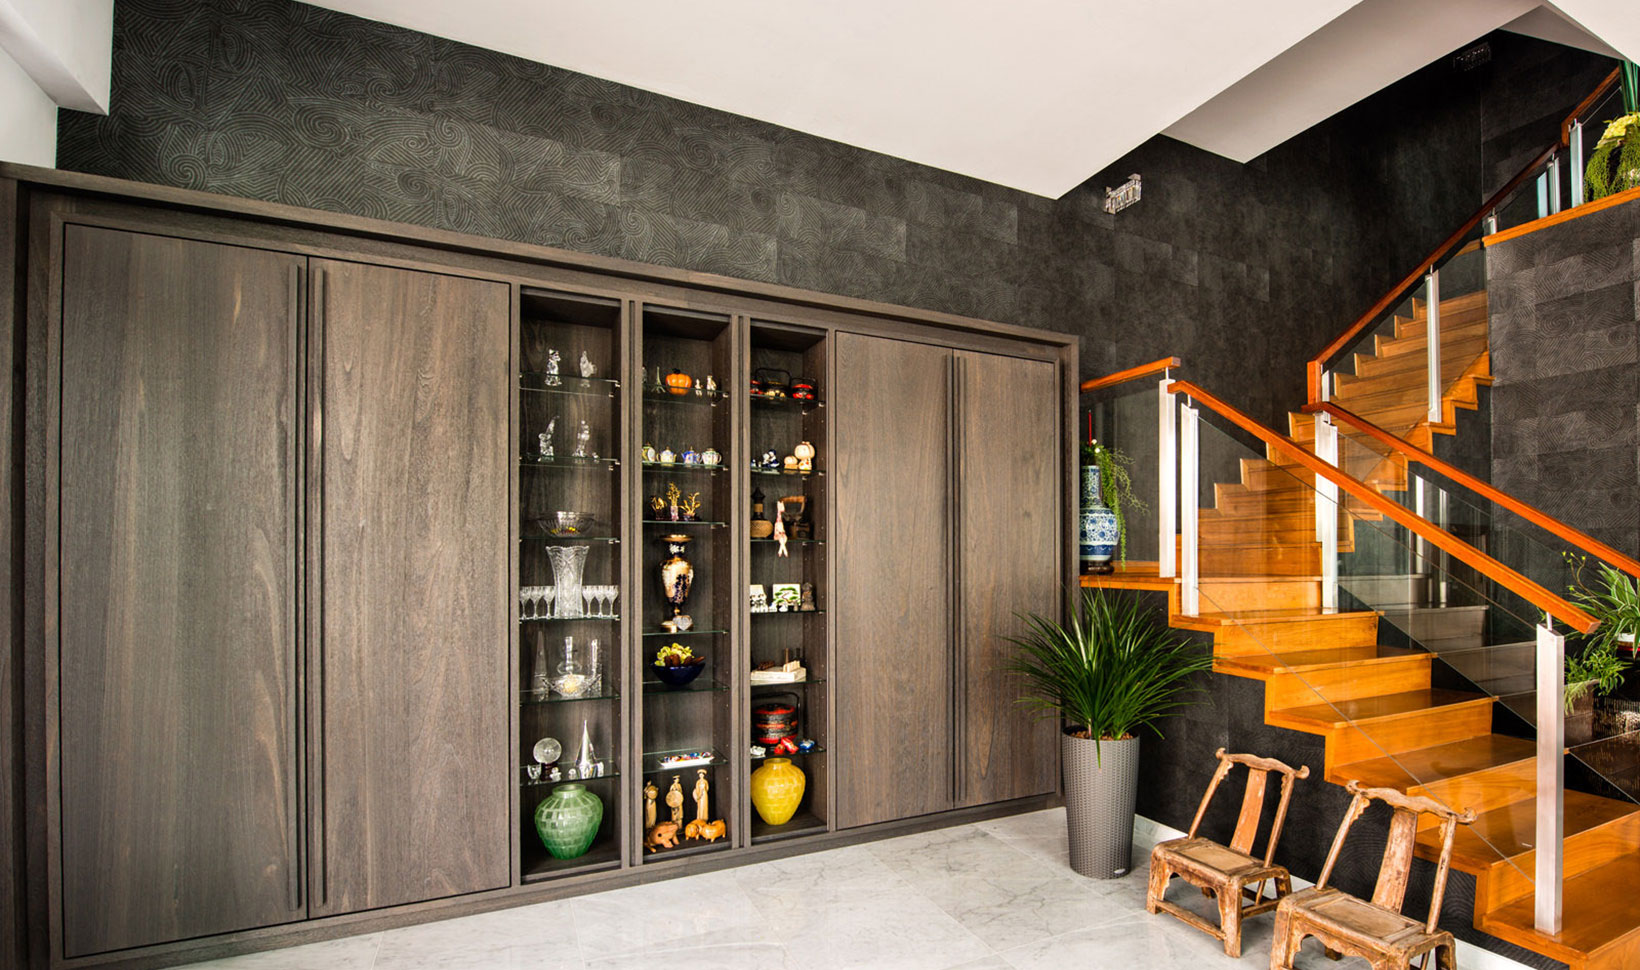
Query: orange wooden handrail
[[1131, 374], [1492, 569], [1538, 518], [1318, 364]]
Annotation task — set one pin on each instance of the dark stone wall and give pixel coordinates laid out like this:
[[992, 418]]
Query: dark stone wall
[[1243, 270], [1566, 397]]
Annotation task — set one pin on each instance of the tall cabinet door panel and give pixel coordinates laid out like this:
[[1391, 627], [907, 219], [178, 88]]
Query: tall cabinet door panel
[[891, 409], [1009, 551], [180, 811], [411, 675]]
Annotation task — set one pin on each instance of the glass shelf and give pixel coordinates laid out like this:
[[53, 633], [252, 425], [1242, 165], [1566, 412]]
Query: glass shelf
[[678, 466], [652, 760], [531, 698], [569, 619], [543, 537], [692, 632], [662, 395], [787, 403], [787, 612], [786, 685], [570, 386], [790, 542], [535, 461], [817, 749], [709, 523], [700, 685], [524, 782], [782, 473]]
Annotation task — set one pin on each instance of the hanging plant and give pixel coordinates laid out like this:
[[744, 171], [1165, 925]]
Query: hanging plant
[[1117, 487], [1615, 165]]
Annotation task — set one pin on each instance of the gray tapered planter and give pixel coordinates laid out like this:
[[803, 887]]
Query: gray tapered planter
[[1101, 784]]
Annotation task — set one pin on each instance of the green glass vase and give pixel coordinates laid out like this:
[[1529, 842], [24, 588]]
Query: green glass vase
[[568, 820]]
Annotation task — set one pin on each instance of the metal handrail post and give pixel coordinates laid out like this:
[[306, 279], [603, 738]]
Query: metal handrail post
[[1189, 502], [1167, 481], [1551, 777]]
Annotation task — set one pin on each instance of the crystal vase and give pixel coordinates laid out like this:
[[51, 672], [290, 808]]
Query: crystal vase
[[567, 565]]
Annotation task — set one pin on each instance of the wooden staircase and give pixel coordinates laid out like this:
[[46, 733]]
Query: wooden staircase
[[1383, 720]]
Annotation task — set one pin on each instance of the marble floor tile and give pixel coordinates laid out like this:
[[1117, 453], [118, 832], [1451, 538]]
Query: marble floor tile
[[641, 917], [348, 953], [539, 937]]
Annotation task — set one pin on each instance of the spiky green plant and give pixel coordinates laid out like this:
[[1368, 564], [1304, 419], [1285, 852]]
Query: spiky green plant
[[1615, 602], [1116, 487], [1108, 670]]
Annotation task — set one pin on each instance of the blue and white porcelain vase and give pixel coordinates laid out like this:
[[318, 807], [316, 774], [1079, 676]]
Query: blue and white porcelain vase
[[1099, 532]]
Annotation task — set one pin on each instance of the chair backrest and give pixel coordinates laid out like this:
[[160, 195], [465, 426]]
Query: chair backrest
[[1252, 800], [1391, 890]]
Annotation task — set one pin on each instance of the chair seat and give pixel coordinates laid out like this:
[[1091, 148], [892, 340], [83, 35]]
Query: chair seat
[[1205, 855], [1357, 918]]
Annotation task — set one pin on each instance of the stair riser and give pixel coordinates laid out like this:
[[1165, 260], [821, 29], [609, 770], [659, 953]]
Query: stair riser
[[1360, 742], [1261, 595], [1284, 691], [1580, 852], [1482, 791], [1254, 638]]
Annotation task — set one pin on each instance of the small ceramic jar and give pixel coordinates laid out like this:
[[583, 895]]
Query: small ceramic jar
[[711, 457], [668, 456], [649, 453], [691, 457]]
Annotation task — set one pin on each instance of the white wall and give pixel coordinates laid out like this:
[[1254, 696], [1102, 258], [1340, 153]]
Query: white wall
[[64, 45], [28, 118]]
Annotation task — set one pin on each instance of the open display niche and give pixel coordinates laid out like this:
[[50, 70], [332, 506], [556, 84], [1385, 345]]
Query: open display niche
[[787, 416], [575, 470], [688, 462]]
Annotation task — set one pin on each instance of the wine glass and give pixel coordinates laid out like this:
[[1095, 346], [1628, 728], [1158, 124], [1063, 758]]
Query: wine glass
[[526, 602], [586, 599], [614, 594], [546, 594]]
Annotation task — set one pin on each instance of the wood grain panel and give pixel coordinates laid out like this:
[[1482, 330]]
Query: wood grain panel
[[412, 684], [180, 812], [1009, 445], [891, 423]]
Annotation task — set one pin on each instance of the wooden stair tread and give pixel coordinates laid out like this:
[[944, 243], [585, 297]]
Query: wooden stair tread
[[1505, 833], [1342, 713], [1599, 909], [1410, 769], [1295, 615], [1299, 661]]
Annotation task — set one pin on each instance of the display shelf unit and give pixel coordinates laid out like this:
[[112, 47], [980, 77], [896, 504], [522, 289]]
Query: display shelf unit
[[780, 425], [569, 324], [702, 715]]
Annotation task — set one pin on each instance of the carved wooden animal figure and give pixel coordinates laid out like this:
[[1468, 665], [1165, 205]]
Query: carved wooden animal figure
[[710, 831], [662, 836]]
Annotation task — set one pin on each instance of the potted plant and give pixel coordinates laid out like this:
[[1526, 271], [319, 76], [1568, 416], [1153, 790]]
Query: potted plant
[[1107, 495], [1598, 668], [1109, 670], [1615, 163]]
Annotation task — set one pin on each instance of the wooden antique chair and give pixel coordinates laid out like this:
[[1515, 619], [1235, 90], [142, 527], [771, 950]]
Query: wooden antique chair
[[1227, 872], [1376, 930]]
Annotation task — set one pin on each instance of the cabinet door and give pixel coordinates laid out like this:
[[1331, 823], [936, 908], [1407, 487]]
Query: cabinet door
[[1009, 549], [180, 812], [411, 676], [891, 409]]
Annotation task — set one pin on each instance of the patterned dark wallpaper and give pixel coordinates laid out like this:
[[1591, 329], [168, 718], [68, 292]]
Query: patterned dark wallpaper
[[1566, 397], [1244, 270]]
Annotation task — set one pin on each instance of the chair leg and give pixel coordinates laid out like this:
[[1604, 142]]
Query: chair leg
[[1159, 875], [1282, 945], [1230, 919]]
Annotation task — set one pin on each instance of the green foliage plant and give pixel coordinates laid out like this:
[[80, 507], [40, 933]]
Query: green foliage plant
[[1108, 670], [1615, 602]]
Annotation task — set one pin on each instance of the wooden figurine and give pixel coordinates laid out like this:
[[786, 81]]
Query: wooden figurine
[[1230, 873], [650, 793], [702, 829], [701, 788], [674, 801], [1375, 931], [662, 836]]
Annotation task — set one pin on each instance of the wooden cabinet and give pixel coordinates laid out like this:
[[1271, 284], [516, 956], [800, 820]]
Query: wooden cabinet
[[177, 677], [410, 679], [894, 591], [949, 510], [1008, 560]]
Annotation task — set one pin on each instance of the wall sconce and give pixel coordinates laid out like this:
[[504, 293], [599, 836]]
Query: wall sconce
[[1123, 195]]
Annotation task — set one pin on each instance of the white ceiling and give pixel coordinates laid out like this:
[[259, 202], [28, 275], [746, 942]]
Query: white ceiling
[[1037, 94]]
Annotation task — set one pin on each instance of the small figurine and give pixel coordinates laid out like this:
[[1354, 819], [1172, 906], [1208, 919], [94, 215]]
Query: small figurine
[[758, 751], [553, 774], [770, 462], [760, 599], [650, 793], [805, 456], [585, 760], [697, 387], [587, 370], [711, 384], [674, 800], [662, 836], [649, 454], [700, 793], [534, 771], [582, 438], [789, 463], [544, 439], [807, 604], [689, 508], [668, 456], [691, 456], [552, 369], [780, 527], [702, 829], [711, 457]]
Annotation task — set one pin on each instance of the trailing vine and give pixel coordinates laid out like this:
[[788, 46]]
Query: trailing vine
[[1116, 485]]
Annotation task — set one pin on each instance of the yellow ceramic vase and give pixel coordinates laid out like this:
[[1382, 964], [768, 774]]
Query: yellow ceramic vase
[[777, 789]]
